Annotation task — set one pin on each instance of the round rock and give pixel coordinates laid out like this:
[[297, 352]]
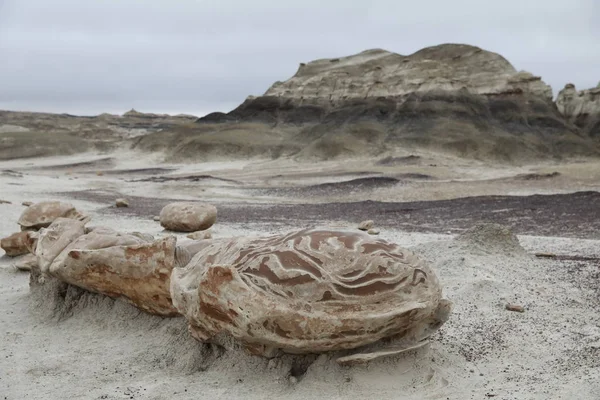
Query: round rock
[[366, 225], [188, 216], [121, 203], [41, 215]]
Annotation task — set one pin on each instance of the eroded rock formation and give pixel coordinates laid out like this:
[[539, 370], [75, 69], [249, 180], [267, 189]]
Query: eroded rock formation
[[121, 266], [42, 214], [132, 267], [379, 73], [308, 291], [452, 98], [63, 134], [581, 107], [15, 244]]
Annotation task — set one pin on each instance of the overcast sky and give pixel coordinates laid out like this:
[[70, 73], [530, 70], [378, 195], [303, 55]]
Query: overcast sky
[[94, 56]]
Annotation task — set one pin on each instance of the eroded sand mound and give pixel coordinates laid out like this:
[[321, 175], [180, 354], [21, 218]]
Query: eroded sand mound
[[490, 239]]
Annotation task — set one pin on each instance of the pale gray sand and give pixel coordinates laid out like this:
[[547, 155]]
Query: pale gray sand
[[109, 350]]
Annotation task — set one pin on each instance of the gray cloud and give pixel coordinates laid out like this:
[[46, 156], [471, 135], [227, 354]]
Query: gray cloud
[[200, 56]]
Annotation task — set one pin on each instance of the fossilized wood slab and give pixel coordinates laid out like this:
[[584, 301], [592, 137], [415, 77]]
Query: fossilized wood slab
[[307, 291]]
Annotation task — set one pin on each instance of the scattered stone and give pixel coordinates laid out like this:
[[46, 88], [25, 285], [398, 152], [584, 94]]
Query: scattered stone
[[99, 173], [188, 216], [366, 225], [156, 218], [293, 380], [545, 255], [26, 263], [536, 176], [15, 244], [515, 307], [373, 231], [41, 215], [27, 203], [273, 363], [121, 203], [5, 202], [200, 235]]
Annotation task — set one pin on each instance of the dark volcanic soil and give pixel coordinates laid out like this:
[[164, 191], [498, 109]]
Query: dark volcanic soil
[[575, 215]]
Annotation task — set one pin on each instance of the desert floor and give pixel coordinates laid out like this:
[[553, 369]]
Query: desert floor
[[105, 349]]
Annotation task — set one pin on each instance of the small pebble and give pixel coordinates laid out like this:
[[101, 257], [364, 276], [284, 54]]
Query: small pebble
[[27, 203], [373, 231], [199, 235], [293, 380], [545, 255], [366, 225], [121, 203], [5, 202], [156, 218], [515, 307]]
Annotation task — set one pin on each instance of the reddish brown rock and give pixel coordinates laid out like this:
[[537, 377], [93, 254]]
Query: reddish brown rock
[[515, 308], [15, 244], [121, 266], [132, 267], [309, 291]]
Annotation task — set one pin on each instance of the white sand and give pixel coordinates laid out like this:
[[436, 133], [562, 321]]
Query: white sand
[[104, 349]]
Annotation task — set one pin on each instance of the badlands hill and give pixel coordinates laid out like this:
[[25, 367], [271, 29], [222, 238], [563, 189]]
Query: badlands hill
[[452, 98], [30, 134], [581, 108]]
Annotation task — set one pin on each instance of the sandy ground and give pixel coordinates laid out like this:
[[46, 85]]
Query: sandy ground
[[102, 349]]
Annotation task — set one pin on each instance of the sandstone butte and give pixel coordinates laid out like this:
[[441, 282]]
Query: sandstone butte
[[451, 97], [581, 108]]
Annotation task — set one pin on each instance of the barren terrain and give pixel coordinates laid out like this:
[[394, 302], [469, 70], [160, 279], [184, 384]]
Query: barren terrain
[[87, 346]]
